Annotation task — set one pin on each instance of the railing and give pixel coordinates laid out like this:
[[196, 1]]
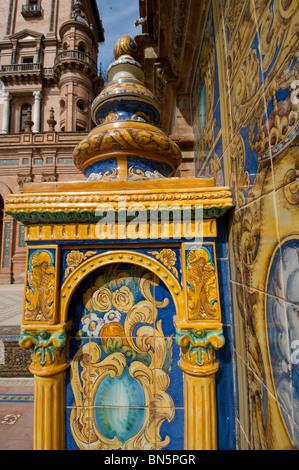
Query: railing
[[34, 9], [17, 68], [48, 71], [77, 55]]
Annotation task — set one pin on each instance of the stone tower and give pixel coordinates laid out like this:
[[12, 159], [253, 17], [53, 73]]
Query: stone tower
[[48, 80], [75, 67]]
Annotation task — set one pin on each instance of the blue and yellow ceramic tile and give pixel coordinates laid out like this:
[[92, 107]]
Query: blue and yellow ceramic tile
[[73, 399], [172, 432], [73, 258], [225, 407], [214, 164], [283, 325], [168, 257], [103, 170], [130, 360], [41, 285], [201, 283], [205, 93], [224, 286], [127, 110], [144, 168]]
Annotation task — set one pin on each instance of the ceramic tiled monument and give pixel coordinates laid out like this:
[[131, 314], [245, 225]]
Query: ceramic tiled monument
[[121, 307]]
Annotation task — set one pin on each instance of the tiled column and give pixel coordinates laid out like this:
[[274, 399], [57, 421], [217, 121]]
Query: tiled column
[[49, 362], [201, 426], [199, 366], [199, 334], [49, 406]]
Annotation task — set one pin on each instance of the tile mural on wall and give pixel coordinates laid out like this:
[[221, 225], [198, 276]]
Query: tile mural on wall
[[245, 117]]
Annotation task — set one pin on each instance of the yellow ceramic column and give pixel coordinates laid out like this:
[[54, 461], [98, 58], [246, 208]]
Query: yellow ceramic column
[[200, 427], [49, 362], [199, 333], [49, 406], [199, 366]]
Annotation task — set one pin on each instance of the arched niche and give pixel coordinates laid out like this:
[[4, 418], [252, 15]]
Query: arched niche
[[117, 341], [76, 276], [124, 388], [4, 190]]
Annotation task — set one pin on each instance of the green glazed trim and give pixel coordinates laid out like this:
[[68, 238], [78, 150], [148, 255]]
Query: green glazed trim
[[199, 342], [46, 347]]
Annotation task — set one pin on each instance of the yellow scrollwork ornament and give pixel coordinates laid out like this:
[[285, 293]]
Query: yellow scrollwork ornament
[[40, 290], [202, 290]]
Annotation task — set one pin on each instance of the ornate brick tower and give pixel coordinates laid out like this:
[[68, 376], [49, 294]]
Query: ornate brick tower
[[48, 80]]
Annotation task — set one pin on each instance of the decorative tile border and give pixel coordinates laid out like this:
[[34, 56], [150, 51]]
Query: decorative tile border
[[9, 397], [10, 419], [9, 162]]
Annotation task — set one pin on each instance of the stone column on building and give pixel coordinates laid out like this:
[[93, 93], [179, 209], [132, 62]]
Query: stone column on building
[[6, 113], [37, 113], [70, 123], [14, 57]]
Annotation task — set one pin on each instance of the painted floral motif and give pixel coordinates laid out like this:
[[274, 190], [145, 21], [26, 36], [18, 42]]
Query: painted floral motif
[[109, 298], [74, 258], [112, 315], [168, 258], [92, 325]]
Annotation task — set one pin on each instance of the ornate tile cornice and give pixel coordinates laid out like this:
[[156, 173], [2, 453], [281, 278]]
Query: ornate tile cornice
[[71, 203]]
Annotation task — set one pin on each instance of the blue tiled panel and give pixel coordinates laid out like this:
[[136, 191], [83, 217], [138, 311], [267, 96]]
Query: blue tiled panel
[[108, 165], [225, 392], [283, 328], [141, 168], [225, 395], [203, 98]]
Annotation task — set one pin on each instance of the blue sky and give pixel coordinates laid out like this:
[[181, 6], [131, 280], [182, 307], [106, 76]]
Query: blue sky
[[118, 18]]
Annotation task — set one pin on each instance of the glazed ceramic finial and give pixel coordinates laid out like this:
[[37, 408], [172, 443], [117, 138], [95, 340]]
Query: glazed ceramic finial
[[125, 45], [126, 144]]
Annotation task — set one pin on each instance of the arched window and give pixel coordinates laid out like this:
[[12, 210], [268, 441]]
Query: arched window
[[80, 127], [81, 51], [62, 105], [24, 113], [33, 4]]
